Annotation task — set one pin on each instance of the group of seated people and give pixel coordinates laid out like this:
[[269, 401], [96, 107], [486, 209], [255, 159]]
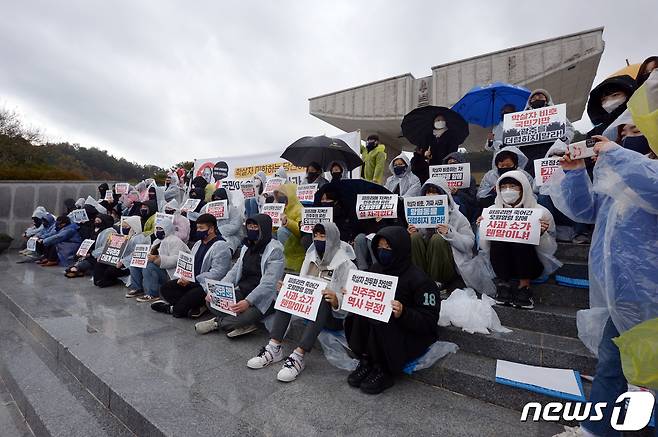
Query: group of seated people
[[246, 250]]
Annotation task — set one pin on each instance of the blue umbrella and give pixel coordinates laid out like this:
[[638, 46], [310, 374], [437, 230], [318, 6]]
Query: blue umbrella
[[482, 104]]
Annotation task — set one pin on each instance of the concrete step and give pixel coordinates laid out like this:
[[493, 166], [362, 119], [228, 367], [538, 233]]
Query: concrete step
[[12, 421], [475, 376], [160, 378], [52, 401], [569, 252], [523, 346], [548, 319], [552, 294]]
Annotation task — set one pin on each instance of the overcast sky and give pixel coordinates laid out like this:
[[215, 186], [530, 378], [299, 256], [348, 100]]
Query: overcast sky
[[163, 81]]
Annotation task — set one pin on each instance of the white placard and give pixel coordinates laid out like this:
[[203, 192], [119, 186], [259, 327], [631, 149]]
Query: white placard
[[79, 216], [426, 211], [516, 225], [544, 169], [369, 294], [580, 150], [300, 296], [161, 218], [84, 247], [185, 266], [140, 256], [222, 295], [535, 126], [559, 380], [31, 244], [306, 192], [376, 206], [217, 209], [190, 205], [122, 187], [275, 211], [273, 184], [248, 189], [109, 196], [313, 216], [456, 175]]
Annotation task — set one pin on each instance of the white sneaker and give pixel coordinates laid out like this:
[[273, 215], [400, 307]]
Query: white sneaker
[[237, 332], [206, 326], [265, 357], [292, 367]]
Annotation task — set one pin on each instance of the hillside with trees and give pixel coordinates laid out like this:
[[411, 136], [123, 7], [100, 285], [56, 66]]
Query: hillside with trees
[[24, 157]]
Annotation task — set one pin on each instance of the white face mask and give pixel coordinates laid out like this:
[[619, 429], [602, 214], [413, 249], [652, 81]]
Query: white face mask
[[612, 104], [510, 195], [441, 124]]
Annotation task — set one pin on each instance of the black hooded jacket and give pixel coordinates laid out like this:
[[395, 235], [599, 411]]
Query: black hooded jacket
[[599, 117], [420, 167], [416, 291], [251, 273]]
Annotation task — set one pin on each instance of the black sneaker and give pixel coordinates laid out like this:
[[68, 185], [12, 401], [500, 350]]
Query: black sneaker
[[198, 312], [523, 299], [377, 381], [161, 307], [359, 374], [503, 294]]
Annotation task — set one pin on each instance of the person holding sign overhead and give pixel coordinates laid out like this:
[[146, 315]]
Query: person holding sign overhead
[[403, 182], [212, 259], [327, 259], [254, 276], [440, 251], [384, 348], [511, 260]]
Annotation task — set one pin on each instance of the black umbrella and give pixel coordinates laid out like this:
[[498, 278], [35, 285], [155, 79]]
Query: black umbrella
[[347, 190], [418, 125], [323, 150]]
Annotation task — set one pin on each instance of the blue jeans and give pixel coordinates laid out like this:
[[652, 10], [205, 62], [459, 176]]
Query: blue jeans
[[363, 250], [609, 383], [154, 277], [136, 278], [250, 207]]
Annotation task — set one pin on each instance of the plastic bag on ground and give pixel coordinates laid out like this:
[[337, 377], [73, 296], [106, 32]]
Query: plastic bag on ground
[[478, 274], [638, 348], [334, 345], [590, 325], [437, 351], [464, 310]]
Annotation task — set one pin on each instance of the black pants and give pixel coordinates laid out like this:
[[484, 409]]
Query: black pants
[[515, 260], [184, 298], [311, 330], [251, 316], [384, 344], [107, 276], [50, 252]]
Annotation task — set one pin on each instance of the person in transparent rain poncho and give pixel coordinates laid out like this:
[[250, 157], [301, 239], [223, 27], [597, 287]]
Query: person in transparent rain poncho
[[622, 202]]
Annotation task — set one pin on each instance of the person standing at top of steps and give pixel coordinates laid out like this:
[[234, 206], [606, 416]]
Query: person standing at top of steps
[[254, 276], [622, 202], [524, 262]]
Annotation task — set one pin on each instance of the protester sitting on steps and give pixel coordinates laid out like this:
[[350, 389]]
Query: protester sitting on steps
[[314, 175], [254, 276], [524, 262], [506, 159], [439, 252], [231, 226], [328, 259], [106, 275], [59, 247], [181, 223], [288, 234], [102, 230], [212, 260], [465, 198], [384, 348], [403, 182]]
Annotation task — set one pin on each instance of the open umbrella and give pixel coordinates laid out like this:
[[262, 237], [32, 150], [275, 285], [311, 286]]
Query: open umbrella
[[348, 189], [323, 150], [482, 104], [630, 70], [418, 125]]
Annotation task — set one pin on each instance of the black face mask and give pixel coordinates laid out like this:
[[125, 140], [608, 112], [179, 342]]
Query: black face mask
[[538, 104], [152, 196], [311, 176], [336, 176], [320, 247], [37, 221], [144, 212], [502, 171], [169, 211], [370, 145], [327, 204]]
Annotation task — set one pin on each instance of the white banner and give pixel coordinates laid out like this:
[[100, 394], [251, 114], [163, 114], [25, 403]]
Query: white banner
[[544, 169], [222, 296], [185, 266], [426, 211], [456, 175], [300, 296], [84, 247], [274, 210], [313, 216], [516, 225], [140, 256], [369, 294], [376, 206]]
